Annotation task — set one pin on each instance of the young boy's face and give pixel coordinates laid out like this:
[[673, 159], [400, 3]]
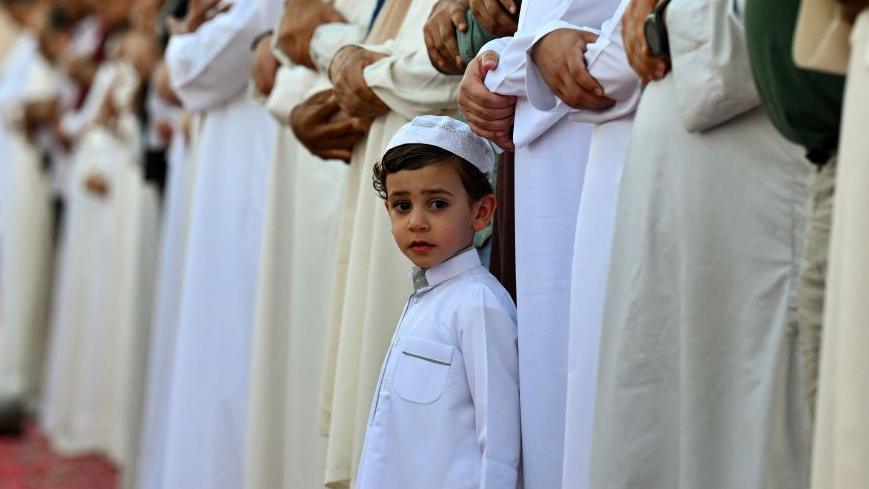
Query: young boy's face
[[432, 215]]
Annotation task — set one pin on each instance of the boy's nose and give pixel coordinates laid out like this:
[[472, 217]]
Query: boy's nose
[[418, 221]]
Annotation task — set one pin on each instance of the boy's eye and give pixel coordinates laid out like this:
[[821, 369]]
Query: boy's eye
[[401, 206], [439, 204]]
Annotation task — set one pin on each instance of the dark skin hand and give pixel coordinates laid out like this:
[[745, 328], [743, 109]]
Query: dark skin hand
[[560, 58], [198, 12], [301, 18], [97, 184], [441, 36], [852, 8], [265, 66], [38, 115], [500, 17], [648, 68], [490, 115], [351, 90], [324, 129]]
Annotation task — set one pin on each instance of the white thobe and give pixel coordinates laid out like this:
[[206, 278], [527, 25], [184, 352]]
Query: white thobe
[[698, 383], [207, 414], [167, 297], [95, 372], [446, 409], [841, 443], [552, 161], [607, 63], [369, 281], [25, 263], [284, 445]]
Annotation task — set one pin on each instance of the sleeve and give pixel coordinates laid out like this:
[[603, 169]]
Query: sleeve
[[211, 66], [606, 61], [489, 346], [473, 39], [710, 65], [410, 86], [822, 37], [329, 38], [509, 77]]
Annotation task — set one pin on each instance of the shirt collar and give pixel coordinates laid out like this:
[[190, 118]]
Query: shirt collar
[[425, 279]]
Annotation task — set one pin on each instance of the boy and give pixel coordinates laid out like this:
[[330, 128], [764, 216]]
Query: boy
[[446, 410]]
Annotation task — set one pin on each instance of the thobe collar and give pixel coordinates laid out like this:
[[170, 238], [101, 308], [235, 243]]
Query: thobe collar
[[425, 279]]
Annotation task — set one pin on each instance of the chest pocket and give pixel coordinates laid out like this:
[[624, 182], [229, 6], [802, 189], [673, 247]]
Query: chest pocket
[[422, 370]]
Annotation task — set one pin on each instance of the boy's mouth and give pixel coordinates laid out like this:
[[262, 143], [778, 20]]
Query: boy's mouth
[[420, 246]]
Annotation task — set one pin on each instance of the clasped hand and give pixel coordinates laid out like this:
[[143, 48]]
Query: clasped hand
[[560, 59], [351, 90], [301, 18], [440, 33]]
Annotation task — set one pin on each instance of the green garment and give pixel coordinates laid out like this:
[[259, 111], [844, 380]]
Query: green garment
[[471, 41], [804, 105]]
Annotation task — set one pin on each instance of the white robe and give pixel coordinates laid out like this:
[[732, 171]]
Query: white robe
[[167, 298], [207, 413], [371, 281], [95, 372], [552, 160], [697, 377], [25, 213], [284, 446], [841, 444]]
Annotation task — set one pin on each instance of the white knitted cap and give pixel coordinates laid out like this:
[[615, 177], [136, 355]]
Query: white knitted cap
[[449, 134]]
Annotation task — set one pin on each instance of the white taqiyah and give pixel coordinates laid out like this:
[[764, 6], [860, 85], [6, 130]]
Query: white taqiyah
[[449, 134]]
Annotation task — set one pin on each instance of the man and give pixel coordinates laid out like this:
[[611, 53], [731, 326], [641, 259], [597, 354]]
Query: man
[[388, 79], [697, 379], [284, 445], [561, 94], [209, 64], [828, 33], [806, 107], [29, 88]]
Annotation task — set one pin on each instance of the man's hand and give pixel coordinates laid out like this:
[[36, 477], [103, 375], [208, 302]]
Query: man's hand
[[97, 184], [560, 58], [322, 127], [265, 66], [499, 17], [108, 113], [852, 8], [490, 115], [82, 71], [352, 92], [198, 13], [163, 84], [441, 37], [647, 67], [301, 18], [38, 115]]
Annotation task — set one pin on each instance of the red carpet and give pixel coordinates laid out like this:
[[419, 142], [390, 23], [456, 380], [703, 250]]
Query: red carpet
[[29, 463]]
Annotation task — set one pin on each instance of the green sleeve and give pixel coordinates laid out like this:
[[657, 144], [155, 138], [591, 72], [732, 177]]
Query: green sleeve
[[471, 41]]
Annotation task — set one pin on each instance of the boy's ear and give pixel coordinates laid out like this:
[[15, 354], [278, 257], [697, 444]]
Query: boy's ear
[[485, 211]]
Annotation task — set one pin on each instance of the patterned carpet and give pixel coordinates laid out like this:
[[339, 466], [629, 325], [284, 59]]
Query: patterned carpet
[[29, 463]]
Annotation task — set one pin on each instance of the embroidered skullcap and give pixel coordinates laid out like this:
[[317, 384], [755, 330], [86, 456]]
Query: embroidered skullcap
[[449, 134]]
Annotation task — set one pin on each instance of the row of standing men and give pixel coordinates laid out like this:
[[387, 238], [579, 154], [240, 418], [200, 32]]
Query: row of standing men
[[659, 231]]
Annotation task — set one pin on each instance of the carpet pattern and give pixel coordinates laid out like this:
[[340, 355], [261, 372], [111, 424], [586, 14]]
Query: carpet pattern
[[28, 462]]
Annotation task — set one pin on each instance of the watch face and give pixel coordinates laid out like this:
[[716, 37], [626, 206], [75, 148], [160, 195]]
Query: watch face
[[653, 37]]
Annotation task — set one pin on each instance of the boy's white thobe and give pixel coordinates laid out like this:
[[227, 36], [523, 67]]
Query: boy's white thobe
[[446, 410]]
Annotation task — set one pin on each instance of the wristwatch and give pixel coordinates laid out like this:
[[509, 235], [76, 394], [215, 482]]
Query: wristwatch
[[656, 32]]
